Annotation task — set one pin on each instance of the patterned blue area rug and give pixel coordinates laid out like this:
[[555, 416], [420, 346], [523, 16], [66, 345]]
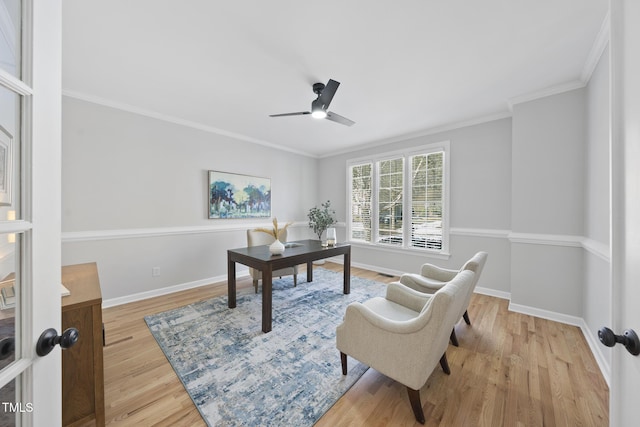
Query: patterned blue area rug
[[239, 376]]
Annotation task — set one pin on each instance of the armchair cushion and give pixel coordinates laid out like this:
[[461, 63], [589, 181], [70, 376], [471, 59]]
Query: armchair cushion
[[402, 343], [433, 278], [421, 283]]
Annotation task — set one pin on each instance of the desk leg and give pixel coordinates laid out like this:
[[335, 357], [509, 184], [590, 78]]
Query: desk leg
[[267, 276], [310, 272], [347, 271], [231, 282]]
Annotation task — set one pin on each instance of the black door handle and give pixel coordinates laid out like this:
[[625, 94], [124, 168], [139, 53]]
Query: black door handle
[[629, 339], [7, 347], [50, 338]]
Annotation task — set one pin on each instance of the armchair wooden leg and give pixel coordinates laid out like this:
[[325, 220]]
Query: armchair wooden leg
[[465, 316], [414, 398], [343, 360], [445, 364], [295, 280], [255, 285], [454, 339]]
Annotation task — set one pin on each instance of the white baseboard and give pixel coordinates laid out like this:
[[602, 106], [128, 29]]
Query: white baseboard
[[493, 293], [596, 349], [546, 314], [594, 345], [167, 290]]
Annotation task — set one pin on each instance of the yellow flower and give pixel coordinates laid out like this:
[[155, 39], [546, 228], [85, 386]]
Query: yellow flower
[[275, 231]]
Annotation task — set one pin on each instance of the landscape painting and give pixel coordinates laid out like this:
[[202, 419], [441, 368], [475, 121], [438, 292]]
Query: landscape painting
[[238, 196]]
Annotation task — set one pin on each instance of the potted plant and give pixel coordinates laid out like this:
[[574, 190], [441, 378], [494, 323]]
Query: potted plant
[[321, 219]]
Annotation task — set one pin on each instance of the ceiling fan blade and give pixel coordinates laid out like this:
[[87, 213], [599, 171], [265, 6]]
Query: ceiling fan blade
[[339, 119], [300, 113], [327, 93]]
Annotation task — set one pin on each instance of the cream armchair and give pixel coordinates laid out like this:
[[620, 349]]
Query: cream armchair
[[405, 334], [432, 278], [259, 238]]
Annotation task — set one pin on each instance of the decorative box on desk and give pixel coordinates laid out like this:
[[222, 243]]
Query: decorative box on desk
[[82, 364]]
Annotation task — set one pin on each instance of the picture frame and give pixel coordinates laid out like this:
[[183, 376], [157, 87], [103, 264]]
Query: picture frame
[[233, 196], [6, 167]]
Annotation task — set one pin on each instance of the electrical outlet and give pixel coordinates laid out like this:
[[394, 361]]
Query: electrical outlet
[[155, 271]]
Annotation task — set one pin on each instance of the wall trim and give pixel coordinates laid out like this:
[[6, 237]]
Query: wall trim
[[543, 93], [480, 232], [493, 293], [596, 349], [545, 314], [594, 247], [426, 132], [599, 45], [546, 239], [599, 249], [137, 233], [175, 120], [112, 302]]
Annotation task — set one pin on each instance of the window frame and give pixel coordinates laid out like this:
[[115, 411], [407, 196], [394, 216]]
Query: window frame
[[406, 155]]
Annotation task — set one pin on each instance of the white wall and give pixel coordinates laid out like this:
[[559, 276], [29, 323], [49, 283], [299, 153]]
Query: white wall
[[135, 197], [480, 201], [547, 211]]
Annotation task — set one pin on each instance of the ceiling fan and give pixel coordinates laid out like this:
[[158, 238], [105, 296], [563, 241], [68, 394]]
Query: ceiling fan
[[320, 105]]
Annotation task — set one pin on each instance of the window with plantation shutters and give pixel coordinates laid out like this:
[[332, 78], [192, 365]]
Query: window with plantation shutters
[[399, 200], [360, 215], [426, 200], [390, 187]]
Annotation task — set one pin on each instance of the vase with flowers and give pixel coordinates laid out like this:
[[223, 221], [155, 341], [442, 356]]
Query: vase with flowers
[[321, 218], [277, 247]]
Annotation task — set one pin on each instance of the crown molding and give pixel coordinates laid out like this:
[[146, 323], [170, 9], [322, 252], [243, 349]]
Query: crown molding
[[599, 45], [543, 93], [430, 131], [176, 120]]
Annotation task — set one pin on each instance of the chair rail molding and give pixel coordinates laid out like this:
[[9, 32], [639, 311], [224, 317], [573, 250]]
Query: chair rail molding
[[594, 247], [136, 233]]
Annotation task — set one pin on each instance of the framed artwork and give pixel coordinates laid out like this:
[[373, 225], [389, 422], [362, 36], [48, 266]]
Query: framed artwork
[[6, 170], [233, 195]]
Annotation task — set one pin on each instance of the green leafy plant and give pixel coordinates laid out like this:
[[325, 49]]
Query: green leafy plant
[[321, 219]]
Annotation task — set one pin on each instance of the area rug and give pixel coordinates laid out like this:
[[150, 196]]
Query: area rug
[[239, 376]]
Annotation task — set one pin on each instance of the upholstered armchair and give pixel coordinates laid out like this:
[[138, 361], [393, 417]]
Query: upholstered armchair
[[405, 334], [432, 278], [259, 238]]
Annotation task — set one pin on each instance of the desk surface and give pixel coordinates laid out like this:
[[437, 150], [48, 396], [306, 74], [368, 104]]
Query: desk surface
[[295, 248], [297, 252]]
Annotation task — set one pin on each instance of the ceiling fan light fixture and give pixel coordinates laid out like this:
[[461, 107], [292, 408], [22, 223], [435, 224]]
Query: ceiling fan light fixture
[[318, 114]]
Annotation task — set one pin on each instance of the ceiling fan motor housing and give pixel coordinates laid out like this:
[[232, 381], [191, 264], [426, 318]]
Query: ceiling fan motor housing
[[318, 88]]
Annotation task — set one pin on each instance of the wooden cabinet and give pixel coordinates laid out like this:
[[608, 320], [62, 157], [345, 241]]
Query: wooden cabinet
[[82, 364]]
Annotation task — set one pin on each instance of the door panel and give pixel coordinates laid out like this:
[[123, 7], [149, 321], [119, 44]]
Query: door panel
[[30, 149], [625, 158]]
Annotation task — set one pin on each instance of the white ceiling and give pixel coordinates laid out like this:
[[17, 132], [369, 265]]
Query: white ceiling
[[404, 69]]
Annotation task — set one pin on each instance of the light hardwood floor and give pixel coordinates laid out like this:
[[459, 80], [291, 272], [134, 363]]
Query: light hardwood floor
[[509, 370]]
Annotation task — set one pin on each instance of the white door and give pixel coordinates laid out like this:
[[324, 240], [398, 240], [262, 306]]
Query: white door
[[625, 158], [30, 166]]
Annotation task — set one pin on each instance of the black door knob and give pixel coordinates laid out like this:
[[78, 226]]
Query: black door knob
[[629, 339], [50, 338], [7, 347]]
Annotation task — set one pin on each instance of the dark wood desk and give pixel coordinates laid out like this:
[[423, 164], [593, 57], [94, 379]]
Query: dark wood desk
[[259, 257]]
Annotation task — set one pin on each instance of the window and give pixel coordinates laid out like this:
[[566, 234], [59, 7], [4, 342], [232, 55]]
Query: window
[[407, 195]]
